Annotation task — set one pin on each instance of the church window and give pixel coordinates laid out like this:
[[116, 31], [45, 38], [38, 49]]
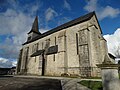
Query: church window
[[35, 59], [77, 42], [29, 37], [40, 61], [37, 46], [55, 40], [42, 45], [47, 43], [34, 47], [54, 57], [84, 54], [83, 36], [83, 47]]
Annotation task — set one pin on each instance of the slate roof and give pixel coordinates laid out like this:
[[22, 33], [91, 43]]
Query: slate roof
[[66, 25], [35, 27], [51, 50], [39, 52]]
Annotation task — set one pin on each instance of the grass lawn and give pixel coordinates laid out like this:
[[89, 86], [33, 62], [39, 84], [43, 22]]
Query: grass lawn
[[92, 77], [93, 85]]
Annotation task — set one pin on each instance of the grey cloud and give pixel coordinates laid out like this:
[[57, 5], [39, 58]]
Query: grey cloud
[[67, 5], [50, 14], [93, 5], [113, 41], [111, 12], [15, 24], [63, 20], [42, 30], [5, 63]]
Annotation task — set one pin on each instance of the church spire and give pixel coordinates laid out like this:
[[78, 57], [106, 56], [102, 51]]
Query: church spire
[[34, 32], [35, 28]]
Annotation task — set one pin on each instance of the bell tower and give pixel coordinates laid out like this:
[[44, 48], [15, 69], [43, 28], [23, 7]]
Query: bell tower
[[34, 32]]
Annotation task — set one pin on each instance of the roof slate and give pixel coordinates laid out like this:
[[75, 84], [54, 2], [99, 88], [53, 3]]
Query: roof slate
[[51, 50], [66, 25], [35, 26]]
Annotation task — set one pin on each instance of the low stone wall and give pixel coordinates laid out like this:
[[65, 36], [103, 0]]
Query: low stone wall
[[72, 84]]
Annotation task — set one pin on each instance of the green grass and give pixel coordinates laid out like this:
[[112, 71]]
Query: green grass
[[93, 85], [92, 77]]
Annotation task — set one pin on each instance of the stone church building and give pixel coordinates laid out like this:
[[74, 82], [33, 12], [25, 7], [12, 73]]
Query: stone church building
[[73, 48]]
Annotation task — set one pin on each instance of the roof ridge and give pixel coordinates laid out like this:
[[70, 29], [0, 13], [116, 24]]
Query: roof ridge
[[65, 25], [89, 14]]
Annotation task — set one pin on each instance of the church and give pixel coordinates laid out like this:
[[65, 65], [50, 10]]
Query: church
[[72, 49]]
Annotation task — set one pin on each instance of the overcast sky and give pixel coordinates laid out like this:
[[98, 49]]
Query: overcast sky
[[17, 16]]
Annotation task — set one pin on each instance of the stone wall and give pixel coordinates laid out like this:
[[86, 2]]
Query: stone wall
[[80, 48]]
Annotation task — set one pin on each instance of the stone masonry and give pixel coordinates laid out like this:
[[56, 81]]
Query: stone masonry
[[73, 48]]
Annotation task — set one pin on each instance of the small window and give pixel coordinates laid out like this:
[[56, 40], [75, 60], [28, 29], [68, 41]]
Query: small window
[[40, 61], [37, 46], [47, 44], [77, 43], [54, 57], [55, 40], [42, 45], [29, 37], [34, 48], [35, 59]]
